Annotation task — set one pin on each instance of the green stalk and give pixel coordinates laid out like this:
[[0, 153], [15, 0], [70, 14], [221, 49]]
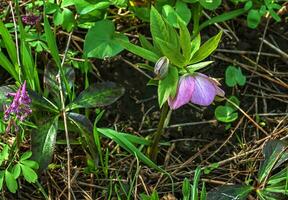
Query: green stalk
[[153, 150]]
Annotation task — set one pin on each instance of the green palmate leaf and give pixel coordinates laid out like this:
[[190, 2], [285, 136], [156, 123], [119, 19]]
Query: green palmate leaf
[[11, 182], [51, 41], [223, 17], [274, 154], [43, 142], [9, 43], [29, 174], [206, 49], [101, 40], [225, 114], [234, 76], [144, 53], [253, 18], [195, 45], [185, 42], [239, 192], [210, 4], [168, 86], [128, 146], [99, 94]]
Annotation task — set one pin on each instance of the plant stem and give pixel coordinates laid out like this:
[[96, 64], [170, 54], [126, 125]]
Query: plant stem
[[153, 150], [61, 91]]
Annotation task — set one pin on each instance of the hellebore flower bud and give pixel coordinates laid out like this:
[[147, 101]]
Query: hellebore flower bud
[[161, 68]]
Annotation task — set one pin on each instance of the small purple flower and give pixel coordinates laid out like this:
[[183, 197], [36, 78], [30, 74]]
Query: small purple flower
[[198, 89], [30, 19], [20, 104]]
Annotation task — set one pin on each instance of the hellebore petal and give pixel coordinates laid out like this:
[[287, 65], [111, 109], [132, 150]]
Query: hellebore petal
[[161, 67], [184, 92], [204, 90]]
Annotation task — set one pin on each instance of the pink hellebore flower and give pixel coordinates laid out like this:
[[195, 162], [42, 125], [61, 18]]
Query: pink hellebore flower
[[198, 89], [20, 104]]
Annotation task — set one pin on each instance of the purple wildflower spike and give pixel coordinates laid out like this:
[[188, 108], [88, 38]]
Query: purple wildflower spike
[[20, 105], [199, 89], [184, 92]]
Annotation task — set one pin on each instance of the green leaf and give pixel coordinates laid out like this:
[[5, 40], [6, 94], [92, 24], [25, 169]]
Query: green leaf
[[128, 146], [1, 179], [144, 53], [8, 66], [30, 163], [194, 192], [235, 100], [99, 94], [234, 76], [146, 44], [26, 155], [51, 41], [16, 170], [185, 42], [158, 27], [196, 67], [225, 114], [170, 14], [172, 53], [274, 155], [101, 40], [210, 4], [253, 18], [43, 142], [223, 17], [183, 11], [29, 174], [279, 177], [8, 42], [95, 6], [168, 86], [206, 49], [41, 103], [186, 189], [239, 192], [11, 182], [68, 19]]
